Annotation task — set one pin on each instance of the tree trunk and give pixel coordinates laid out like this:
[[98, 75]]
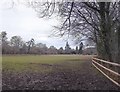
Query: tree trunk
[[105, 30], [118, 44]]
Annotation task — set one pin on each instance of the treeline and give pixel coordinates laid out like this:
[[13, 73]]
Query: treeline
[[16, 45]]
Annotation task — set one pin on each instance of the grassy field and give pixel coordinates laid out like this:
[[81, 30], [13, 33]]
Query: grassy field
[[39, 63], [52, 72]]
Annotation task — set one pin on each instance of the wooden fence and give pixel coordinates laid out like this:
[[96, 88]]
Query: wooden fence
[[109, 69]]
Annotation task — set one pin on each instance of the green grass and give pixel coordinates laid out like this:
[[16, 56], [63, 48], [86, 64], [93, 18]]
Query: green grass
[[39, 63]]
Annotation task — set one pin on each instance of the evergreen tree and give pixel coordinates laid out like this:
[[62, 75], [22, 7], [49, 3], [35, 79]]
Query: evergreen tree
[[80, 48], [77, 51], [67, 48]]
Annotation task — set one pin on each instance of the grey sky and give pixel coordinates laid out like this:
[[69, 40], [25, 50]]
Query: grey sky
[[23, 21]]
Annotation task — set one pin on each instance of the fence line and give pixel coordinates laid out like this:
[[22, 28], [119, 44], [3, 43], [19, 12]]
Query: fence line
[[94, 60], [107, 62], [106, 75], [107, 69]]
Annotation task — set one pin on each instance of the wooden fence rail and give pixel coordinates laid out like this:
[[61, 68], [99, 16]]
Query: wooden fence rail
[[111, 63], [110, 74]]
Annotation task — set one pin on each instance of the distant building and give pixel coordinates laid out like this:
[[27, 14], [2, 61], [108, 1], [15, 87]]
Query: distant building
[[90, 50]]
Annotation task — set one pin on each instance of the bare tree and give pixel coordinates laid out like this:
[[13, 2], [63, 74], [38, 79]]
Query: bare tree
[[4, 42], [95, 20], [30, 44], [61, 50], [16, 44], [52, 50]]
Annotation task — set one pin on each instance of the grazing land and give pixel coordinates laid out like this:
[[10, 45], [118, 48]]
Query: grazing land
[[52, 72]]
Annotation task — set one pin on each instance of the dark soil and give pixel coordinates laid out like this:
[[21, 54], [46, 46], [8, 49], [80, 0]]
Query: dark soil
[[61, 78]]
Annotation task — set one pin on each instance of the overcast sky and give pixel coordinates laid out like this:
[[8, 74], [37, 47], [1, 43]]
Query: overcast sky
[[23, 21]]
